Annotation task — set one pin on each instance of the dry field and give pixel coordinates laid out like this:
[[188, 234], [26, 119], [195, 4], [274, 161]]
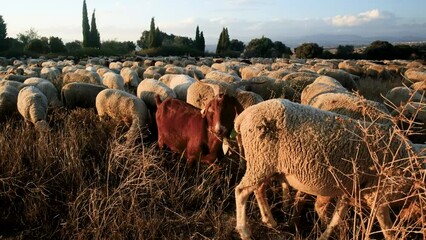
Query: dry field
[[82, 180]]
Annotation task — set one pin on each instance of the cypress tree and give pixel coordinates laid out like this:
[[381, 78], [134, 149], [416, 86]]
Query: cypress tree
[[86, 27], [202, 42], [95, 39], [223, 43], [197, 41], [3, 34], [151, 36], [157, 37]]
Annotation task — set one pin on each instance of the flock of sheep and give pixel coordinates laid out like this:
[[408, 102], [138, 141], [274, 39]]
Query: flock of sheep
[[303, 118]]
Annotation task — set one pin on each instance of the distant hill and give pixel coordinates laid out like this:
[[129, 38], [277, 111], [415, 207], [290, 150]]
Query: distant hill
[[334, 40]]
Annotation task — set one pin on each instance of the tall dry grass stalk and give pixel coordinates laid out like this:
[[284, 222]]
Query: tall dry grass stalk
[[84, 180]]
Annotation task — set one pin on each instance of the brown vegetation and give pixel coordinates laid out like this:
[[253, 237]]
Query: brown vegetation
[[82, 180]]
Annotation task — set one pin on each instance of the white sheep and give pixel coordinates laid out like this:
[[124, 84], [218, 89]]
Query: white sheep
[[318, 152], [349, 81], [123, 107], [131, 78], [8, 100], [51, 73], [399, 96], [148, 88], [32, 105], [272, 88], [317, 88], [47, 88], [178, 83], [113, 81], [222, 76], [10, 83]]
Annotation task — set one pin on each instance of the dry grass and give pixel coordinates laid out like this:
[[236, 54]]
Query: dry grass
[[374, 89], [83, 180]]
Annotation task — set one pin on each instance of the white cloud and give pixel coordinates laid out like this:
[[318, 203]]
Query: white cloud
[[356, 20]]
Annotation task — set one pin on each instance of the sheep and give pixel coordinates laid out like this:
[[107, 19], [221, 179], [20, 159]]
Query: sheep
[[222, 76], [123, 107], [179, 83], [47, 88], [399, 96], [10, 83], [93, 76], [321, 85], [116, 66], [13, 77], [272, 88], [131, 78], [50, 73], [247, 98], [76, 77], [415, 74], [151, 73], [353, 106], [32, 105], [80, 94], [351, 67], [317, 152], [349, 81], [113, 81], [299, 80], [8, 100], [148, 88]]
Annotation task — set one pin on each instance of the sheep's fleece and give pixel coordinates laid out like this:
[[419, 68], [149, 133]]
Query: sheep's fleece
[[316, 151]]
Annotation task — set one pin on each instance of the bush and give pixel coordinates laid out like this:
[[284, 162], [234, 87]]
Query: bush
[[308, 50]]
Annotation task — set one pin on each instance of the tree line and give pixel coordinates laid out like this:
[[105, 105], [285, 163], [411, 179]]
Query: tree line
[[154, 42]]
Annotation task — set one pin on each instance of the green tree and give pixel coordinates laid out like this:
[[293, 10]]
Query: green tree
[[379, 50], [197, 42], [38, 45], [3, 34], [345, 51], [118, 48], [73, 46], [308, 50], [158, 39], [279, 49], [143, 40], [94, 39], [264, 47], [27, 36], [202, 43], [86, 26], [223, 42], [154, 37], [236, 45], [56, 45]]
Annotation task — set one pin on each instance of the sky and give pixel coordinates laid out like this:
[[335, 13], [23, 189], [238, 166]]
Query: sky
[[279, 20]]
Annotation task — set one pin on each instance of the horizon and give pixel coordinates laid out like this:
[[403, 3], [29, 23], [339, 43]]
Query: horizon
[[289, 22]]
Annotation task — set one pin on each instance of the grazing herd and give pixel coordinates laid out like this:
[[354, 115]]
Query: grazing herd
[[304, 120]]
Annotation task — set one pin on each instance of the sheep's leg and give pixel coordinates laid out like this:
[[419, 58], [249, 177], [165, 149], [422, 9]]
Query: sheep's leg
[[322, 207], [242, 193], [286, 194], [298, 205], [339, 213], [383, 217], [265, 210]]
